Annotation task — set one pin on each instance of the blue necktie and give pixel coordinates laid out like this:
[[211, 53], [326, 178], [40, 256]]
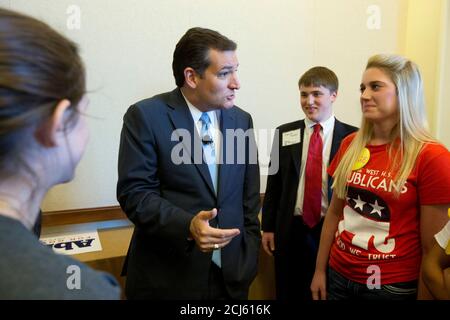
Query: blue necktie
[[209, 154]]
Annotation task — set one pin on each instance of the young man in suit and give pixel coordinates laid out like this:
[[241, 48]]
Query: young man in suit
[[298, 194], [195, 209]]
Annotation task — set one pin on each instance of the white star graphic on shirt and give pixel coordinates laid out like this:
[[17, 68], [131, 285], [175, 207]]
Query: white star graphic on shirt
[[359, 203], [376, 208]]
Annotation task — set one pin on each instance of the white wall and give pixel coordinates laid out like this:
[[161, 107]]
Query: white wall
[[127, 47], [443, 120], [424, 18]]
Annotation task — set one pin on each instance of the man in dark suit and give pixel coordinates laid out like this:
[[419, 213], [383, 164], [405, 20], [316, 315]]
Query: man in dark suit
[[189, 180], [298, 194]]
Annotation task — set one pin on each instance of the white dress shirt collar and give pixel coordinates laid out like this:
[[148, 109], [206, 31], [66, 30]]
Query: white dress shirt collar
[[327, 125], [196, 114]]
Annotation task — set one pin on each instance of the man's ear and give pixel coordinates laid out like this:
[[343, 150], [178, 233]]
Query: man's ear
[[46, 133], [334, 96], [190, 77]]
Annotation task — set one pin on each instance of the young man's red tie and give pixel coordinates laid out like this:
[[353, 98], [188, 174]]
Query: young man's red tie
[[312, 199]]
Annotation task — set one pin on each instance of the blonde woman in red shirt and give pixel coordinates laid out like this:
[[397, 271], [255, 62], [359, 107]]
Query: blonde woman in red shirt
[[391, 193]]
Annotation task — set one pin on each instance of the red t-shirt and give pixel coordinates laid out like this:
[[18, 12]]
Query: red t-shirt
[[381, 233]]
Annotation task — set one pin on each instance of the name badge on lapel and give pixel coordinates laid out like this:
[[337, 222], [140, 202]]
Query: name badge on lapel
[[290, 137]]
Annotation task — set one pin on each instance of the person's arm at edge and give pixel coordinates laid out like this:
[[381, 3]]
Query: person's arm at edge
[[433, 272], [432, 219]]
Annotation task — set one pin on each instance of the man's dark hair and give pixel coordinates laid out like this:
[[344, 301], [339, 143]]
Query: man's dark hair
[[193, 51]]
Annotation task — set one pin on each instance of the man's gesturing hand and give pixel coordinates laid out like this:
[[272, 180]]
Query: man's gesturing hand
[[206, 237]]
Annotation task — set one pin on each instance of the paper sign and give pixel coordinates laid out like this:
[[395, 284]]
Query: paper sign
[[73, 243]]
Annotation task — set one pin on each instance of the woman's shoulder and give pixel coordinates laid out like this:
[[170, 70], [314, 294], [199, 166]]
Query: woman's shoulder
[[348, 139], [434, 157], [434, 149], [39, 273], [81, 281]]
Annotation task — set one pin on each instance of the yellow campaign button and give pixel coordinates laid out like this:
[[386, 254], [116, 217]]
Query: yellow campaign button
[[362, 159]]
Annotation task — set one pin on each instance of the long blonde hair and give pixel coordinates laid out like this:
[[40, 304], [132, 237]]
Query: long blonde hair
[[411, 130]]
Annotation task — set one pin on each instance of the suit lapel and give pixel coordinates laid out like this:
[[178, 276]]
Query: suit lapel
[[296, 149], [338, 135], [181, 118], [227, 121]]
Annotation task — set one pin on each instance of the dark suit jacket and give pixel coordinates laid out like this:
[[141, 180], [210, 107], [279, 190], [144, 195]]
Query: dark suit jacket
[[161, 197], [281, 189]]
